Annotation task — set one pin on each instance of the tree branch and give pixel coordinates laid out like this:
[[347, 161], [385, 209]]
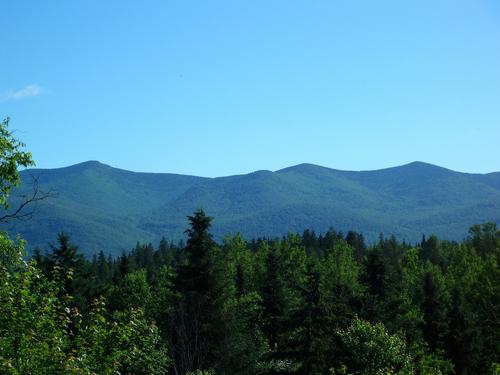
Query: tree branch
[[20, 212]]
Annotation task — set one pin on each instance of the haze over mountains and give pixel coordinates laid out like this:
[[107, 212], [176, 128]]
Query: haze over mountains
[[104, 208]]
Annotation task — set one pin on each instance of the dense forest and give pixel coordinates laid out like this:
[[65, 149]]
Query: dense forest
[[301, 304]]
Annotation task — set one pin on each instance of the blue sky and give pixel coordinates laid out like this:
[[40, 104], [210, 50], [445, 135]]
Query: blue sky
[[224, 87]]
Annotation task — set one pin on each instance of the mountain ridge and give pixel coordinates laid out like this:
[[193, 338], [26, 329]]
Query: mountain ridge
[[416, 163], [110, 209]]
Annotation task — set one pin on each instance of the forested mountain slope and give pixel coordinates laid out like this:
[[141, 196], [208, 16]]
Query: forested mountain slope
[[105, 208]]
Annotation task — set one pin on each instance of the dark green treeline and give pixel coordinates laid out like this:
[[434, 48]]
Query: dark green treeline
[[302, 304]]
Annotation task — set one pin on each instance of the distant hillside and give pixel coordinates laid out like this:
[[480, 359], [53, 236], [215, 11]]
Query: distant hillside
[[105, 208]]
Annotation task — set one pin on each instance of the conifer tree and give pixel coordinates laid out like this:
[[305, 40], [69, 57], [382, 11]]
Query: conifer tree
[[198, 320]]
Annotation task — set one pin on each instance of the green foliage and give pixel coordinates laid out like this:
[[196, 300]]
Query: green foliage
[[131, 293], [163, 299], [124, 344], [11, 158], [40, 334], [33, 338], [340, 284], [201, 372], [369, 349], [485, 238], [245, 344]]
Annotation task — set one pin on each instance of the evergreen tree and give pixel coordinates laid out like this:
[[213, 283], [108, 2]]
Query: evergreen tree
[[124, 266], [434, 315], [375, 279], [66, 264], [65, 254], [198, 320], [313, 344], [273, 300]]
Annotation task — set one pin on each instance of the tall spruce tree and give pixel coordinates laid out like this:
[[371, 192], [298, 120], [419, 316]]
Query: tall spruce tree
[[198, 321]]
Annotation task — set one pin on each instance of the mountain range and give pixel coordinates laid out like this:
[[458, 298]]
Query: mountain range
[[110, 209]]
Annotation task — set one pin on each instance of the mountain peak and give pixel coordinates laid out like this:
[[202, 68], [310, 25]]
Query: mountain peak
[[303, 167], [421, 164], [90, 164], [423, 167]]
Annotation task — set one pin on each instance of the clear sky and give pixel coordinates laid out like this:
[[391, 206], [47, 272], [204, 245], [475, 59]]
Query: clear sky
[[224, 87]]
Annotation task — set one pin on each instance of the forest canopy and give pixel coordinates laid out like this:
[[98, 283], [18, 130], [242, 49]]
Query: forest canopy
[[301, 304]]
